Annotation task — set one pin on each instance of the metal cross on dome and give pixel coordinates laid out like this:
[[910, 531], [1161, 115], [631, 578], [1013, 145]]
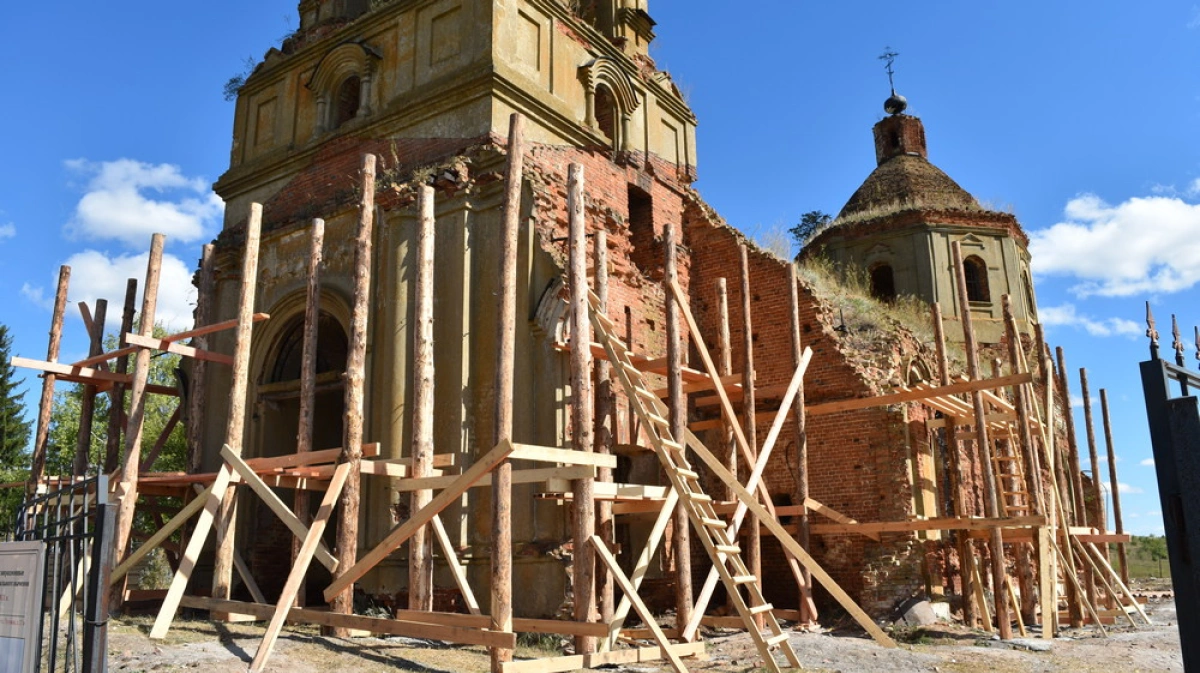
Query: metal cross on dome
[[889, 57]]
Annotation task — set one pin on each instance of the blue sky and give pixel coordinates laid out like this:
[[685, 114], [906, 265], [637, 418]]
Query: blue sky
[[1080, 117]]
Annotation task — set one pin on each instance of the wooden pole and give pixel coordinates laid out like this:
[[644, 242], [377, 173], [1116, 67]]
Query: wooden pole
[[46, 404], [356, 364], [603, 433], [1114, 486], [1093, 518], [501, 551], [1055, 512], [677, 405], [961, 543], [991, 499], [420, 547], [800, 455], [235, 428], [1033, 477], [584, 561], [137, 409], [725, 350], [87, 406], [199, 368], [116, 397], [308, 382], [749, 407], [1079, 506]]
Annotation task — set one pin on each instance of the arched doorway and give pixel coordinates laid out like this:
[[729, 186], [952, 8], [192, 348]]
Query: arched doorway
[[278, 419]]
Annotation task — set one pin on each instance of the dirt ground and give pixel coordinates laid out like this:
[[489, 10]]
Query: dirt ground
[[218, 648]]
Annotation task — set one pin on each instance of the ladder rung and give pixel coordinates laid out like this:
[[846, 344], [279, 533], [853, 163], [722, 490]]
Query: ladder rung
[[605, 320], [729, 549], [713, 523], [775, 640], [673, 445], [658, 420], [759, 609], [699, 497], [744, 579], [686, 473], [642, 392]]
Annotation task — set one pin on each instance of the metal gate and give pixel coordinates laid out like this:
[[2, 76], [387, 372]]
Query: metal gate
[[1174, 417], [75, 522]]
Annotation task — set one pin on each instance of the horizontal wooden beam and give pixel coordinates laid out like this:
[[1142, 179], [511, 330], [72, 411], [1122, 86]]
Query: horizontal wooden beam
[[916, 395], [549, 454], [946, 523], [831, 513], [573, 662], [1105, 538], [392, 627], [178, 349], [518, 477]]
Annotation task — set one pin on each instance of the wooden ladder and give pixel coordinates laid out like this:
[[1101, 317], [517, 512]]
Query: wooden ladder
[[711, 529], [1010, 481]]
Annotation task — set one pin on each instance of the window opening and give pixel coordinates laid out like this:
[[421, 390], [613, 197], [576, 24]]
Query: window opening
[[975, 271], [883, 283], [349, 96]]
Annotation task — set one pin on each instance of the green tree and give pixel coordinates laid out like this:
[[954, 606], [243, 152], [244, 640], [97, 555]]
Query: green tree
[[1155, 547], [14, 434], [810, 224]]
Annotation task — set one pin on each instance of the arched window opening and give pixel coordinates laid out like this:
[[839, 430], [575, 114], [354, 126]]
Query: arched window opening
[[332, 348], [349, 97], [606, 113], [975, 270], [883, 283]]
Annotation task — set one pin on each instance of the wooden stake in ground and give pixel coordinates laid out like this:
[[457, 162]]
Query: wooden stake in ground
[[800, 455], [87, 405], [725, 349], [749, 409], [501, 548], [603, 434], [1114, 487], [348, 506], [235, 428], [584, 562], [677, 405], [308, 381], [46, 405], [116, 396], [137, 404], [420, 547], [991, 499]]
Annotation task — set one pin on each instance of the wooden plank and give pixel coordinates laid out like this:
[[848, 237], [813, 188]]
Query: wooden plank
[[215, 327], [837, 516], [178, 349], [573, 662], [159, 536], [917, 395], [644, 612], [456, 568], [390, 627], [85, 374], [942, 523], [402, 532], [531, 476], [312, 542], [642, 565], [277, 505], [548, 454], [1105, 538], [731, 383]]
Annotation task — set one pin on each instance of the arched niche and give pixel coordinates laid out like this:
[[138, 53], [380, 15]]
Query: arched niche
[[609, 97], [347, 67]]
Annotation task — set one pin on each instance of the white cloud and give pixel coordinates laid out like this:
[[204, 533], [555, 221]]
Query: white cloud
[[1076, 401], [7, 230], [1066, 316], [1194, 187], [37, 296], [128, 200], [1147, 462], [1126, 488], [1143, 245], [95, 275]]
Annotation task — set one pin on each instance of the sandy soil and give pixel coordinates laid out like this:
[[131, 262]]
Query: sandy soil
[[217, 648]]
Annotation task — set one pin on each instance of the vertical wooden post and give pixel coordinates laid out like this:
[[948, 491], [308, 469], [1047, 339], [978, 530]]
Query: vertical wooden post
[[584, 561], [800, 455], [235, 428], [1088, 517], [87, 406], [1055, 513], [725, 347], [137, 405], [749, 407], [308, 379], [1074, 473], [603, 434], [420, 546], [677, 405], [991, 499], [46, 404], [1099, 521], [356, 364], [199, 378], [501, 607], [116, 397], [1114, 486], [1033, 476]]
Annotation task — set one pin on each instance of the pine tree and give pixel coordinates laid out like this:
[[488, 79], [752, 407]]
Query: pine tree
[[14, 428]]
